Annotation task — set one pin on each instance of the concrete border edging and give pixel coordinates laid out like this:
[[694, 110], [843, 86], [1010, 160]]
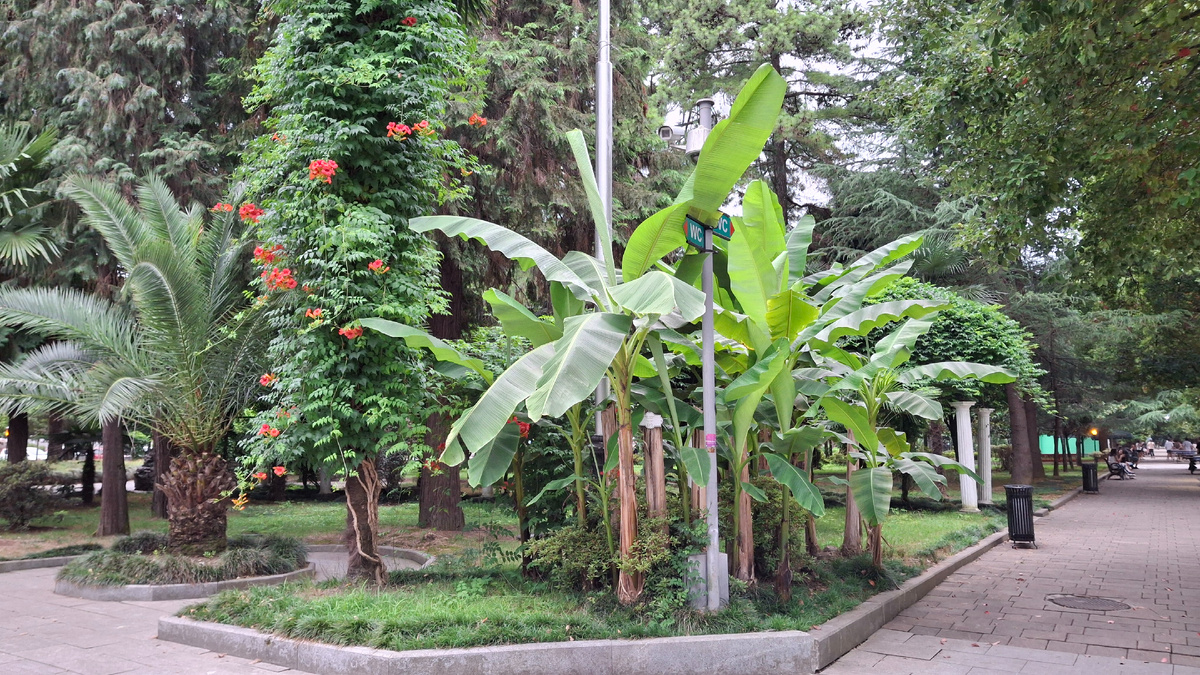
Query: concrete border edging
[[767, 653], [36, 563], [419, 557], [846, 631], [148, 592]]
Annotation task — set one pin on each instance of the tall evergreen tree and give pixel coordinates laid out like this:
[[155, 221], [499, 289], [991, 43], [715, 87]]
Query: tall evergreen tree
[[540, 61], [710, 47]]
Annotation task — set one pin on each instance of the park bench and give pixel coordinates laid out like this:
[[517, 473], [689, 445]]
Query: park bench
[[1117, 470], [1178, 454]]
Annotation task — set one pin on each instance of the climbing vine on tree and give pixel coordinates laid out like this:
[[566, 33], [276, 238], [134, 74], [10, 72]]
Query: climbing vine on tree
[[356, 92]]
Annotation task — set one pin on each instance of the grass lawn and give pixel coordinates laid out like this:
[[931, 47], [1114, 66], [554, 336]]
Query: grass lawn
[[312, 522], [458, 606], [442, 609]]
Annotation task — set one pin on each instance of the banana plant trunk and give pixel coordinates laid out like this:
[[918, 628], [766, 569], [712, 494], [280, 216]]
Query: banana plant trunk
[[629, 583], [656, 476], [852, 536], [362, 525], [196, 507], [875, 544], [745, 530]]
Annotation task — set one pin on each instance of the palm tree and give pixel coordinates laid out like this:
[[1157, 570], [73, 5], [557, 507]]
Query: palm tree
[[179, 354], [22, 236]]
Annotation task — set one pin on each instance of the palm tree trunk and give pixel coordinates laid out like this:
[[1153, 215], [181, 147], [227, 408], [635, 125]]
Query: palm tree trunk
[[362, 525], [18, 437], [162, 463], [196, 508], [114, 502]]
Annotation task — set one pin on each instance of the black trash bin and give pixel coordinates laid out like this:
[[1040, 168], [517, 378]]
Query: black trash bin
[[1020, 514], [1091, 478]]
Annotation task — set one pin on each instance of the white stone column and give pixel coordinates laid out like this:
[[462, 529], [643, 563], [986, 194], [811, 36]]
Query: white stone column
[[966, 456], [985, 455]]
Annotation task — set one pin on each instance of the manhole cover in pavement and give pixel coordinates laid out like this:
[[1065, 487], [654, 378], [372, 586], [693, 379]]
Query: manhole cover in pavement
[[1087, 602]]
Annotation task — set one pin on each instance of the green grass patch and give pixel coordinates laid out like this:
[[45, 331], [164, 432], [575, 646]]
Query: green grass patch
[[444, 609], [133, 563]]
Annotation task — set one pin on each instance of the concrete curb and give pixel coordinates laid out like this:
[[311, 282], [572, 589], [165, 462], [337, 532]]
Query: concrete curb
[[146, 592], [35, 563], [421, 558], [767, 653], [846, 631]]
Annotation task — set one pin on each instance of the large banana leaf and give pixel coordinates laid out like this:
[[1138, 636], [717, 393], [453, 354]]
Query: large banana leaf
[[512, 245], [659, 293], [926, 477], [416, 338], [867, 319], [872, 490], [751, 277], [957, 370], [798, 241], [803, 491], [480, 424], [732, 146], [589, 270], [896, 347], [565, 304], [491, 462], [759, 376], [854, 418], [517, 321], [761, 210], [915, 404], [581, 357], [788, 313], [603, 230], [737, 141], [655, 237]]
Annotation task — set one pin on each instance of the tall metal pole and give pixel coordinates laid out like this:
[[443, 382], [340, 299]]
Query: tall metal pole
[[604, 146], [709, 404]]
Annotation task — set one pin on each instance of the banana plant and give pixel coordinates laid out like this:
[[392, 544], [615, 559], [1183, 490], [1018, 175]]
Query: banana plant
[[863, 390], [611, 317], [771, 311]]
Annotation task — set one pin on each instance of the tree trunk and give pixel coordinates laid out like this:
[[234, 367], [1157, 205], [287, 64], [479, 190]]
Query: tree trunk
[[1056, 454], [362, 525], [852, 536], [196, 509], [875, 544], [630, 583], [439, 487], [1022, 464], [18, 437], [162, 464], [87, 491], [777, 155], [655, 471], [114, 503], [1035, 445], [55, 448]]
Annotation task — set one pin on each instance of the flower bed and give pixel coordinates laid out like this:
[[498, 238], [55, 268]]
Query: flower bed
[[138, 560]]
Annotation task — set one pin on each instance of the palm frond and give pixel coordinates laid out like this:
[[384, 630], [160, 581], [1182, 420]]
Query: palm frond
[[18, 246], [68, 314], [106, 211]]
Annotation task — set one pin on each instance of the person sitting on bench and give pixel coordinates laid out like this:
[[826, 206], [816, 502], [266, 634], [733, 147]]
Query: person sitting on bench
[[1118, 468], [1129, 456]]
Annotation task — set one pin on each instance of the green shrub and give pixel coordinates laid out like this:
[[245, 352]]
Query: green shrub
[[23, 492], [247, 557], [572, 557], [144, 542]]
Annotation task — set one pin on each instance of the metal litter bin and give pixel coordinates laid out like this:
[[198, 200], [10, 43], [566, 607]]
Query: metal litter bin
[[1020, 513], [1091, 478]]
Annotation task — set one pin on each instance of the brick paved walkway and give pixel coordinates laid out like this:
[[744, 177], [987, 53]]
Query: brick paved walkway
[[41, 632], [1138, 542]]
